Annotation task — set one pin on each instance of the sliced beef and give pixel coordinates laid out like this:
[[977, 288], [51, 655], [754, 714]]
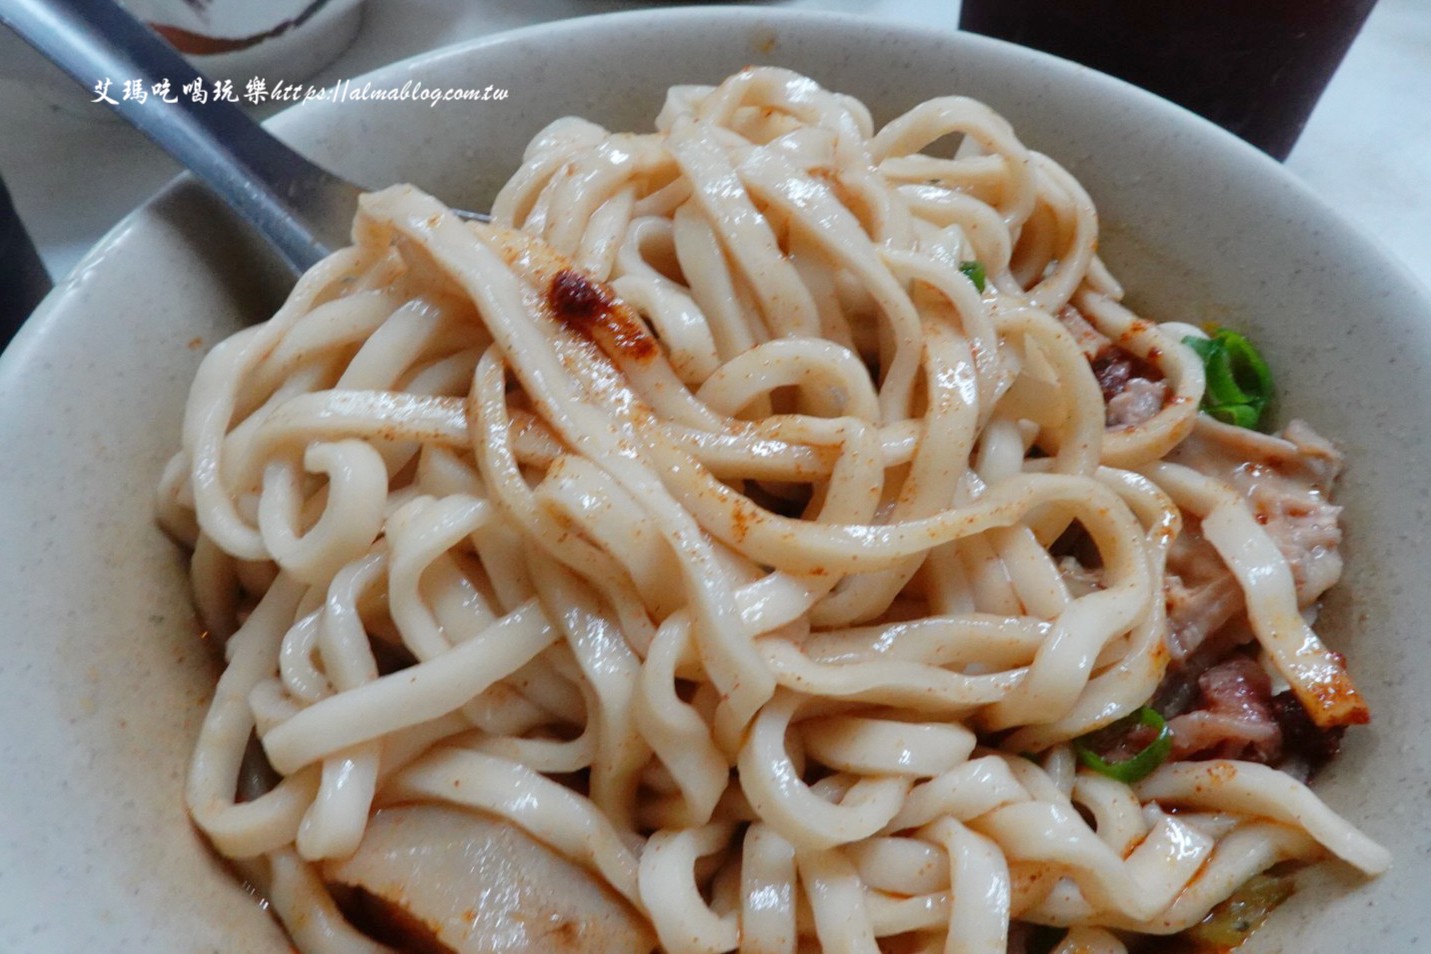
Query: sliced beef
[[1287, 480], [1202, 597], [1133, 389], [1233, 717], [1139, 401]]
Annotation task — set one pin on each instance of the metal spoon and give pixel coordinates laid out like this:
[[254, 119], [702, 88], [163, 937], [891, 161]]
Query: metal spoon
[[305, 211]]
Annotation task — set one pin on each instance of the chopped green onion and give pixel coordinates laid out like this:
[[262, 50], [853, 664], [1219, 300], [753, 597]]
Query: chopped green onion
[[1230, 923], [1140, 766], [1239, 383], [974, 271]]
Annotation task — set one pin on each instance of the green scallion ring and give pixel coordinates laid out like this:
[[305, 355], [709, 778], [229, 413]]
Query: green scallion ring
[[1239, 382], [974, 271], [1141, 765]]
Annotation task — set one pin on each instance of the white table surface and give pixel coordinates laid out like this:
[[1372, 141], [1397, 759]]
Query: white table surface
[[74, 175]]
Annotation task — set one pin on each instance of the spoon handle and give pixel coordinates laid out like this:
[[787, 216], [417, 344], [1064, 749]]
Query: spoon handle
[[301, 209]]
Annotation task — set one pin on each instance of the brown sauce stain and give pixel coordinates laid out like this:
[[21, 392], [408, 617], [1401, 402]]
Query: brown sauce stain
[[1220, 773], [564, 936], [589, 308], [391, 923], [741, 518]]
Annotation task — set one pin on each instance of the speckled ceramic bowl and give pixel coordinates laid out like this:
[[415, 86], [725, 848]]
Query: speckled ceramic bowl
[[105, 680]]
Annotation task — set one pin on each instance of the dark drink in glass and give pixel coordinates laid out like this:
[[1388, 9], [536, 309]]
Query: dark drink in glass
[[1254, 67], [23, 279]]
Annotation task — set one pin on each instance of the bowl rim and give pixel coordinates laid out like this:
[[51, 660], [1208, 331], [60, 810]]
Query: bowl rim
[[288, 121]]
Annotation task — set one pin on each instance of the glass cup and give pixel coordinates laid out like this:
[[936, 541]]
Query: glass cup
[[286, 40], [1254, 67]]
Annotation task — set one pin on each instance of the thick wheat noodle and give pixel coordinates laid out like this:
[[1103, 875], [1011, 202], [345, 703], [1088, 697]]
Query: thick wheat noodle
[[705, 474]]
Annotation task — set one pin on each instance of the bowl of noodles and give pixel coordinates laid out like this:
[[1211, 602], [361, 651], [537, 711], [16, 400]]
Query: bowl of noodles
[[866, 490]]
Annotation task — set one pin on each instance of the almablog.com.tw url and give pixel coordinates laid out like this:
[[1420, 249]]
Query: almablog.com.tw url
[[258, 90]]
